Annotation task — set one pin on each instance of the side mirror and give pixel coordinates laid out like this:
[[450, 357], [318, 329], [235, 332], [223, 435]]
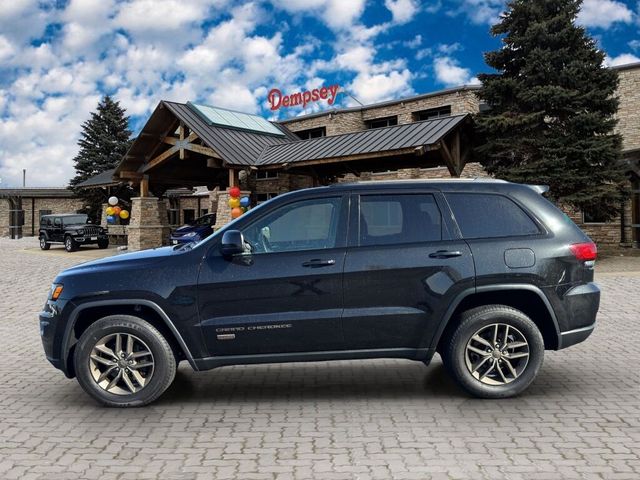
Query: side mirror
[[232, 243]]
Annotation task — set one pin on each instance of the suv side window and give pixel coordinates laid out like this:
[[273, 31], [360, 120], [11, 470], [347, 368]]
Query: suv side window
[[303, 225], [490, 216], [57, 222], [396, 219]]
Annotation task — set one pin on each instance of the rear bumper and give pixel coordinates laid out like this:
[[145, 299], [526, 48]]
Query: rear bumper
[[579, 308]]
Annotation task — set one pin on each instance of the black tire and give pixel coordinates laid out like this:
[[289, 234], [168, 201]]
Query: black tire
[[44, 245], [70, 245], [102, 244], [456, 357], [163, 359]]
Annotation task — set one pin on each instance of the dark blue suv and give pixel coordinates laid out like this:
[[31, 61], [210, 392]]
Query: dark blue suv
[[488, 274], [194, 231]]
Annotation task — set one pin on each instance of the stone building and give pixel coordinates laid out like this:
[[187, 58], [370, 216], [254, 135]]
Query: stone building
[[188, 155]]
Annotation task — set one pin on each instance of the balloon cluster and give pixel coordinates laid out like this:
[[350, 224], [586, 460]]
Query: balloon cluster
[[238, 205], [114, 212]]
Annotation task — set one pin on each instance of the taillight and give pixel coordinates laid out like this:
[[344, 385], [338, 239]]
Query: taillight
[[584, 252]]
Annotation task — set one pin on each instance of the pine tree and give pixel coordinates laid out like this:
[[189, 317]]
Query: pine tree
[[552, 105], [104, 140]]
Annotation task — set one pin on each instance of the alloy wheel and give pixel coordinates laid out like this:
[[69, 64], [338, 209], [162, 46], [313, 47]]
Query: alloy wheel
[[121, 363], [497, 354]]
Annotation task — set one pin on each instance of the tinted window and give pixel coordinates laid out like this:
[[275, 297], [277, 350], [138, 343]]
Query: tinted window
[[389, 219], [75, 220], [486, 216], [304, 225]]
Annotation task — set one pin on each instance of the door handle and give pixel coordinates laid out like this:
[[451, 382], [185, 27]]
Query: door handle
[[316, 262], [445, 254]]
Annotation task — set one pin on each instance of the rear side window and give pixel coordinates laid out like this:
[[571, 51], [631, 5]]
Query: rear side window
[[392, 219], [488, 216]]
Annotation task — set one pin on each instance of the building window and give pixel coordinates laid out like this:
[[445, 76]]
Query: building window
[[266, 174], [263, 197], [382, 122], [203, 211], [312, 133], [592, 217], [431, 113], [189, 215]]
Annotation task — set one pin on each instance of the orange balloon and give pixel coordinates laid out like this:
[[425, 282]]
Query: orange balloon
[[116, 210], [236, 212]]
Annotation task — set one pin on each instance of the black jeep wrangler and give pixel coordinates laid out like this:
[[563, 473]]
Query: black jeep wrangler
[[72, 230], [488, 274]]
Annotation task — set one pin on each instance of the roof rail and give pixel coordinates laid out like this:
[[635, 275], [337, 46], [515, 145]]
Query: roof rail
[[541, 189]]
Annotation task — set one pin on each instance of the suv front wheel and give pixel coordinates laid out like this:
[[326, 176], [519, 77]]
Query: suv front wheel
[[495, 352], [70, 245], [124, 361], [44, 245]]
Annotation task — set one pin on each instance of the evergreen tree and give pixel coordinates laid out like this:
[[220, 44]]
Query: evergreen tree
[[104, 140], [552, 105]]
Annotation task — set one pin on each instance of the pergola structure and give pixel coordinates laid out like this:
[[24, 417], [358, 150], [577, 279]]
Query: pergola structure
[[187, 145]]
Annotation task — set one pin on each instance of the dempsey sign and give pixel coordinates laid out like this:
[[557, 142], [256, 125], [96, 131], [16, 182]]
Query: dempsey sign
[[277, 99]]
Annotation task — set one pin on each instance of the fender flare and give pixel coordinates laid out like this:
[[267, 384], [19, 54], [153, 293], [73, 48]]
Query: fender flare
[[493, 288], [73, 317]]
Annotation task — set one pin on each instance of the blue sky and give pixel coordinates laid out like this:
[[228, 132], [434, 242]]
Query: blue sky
[[58, 57]]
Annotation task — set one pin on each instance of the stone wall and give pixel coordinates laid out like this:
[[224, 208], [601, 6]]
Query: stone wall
[[32, 207], [629, 109], [337, 122]]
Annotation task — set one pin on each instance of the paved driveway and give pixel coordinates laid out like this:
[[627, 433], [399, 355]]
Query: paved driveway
[[328, 420]]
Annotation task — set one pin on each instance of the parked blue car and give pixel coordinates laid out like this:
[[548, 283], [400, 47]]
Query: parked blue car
[[195, 231]]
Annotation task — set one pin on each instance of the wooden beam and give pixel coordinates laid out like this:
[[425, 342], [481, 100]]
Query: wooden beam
[[233, 178], [160, 158], [202, 150], [449, 160], [130, 175], [181, 135], [144, 186]]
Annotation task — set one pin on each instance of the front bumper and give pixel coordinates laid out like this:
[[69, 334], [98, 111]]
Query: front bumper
[[91, 239], [52, 326]]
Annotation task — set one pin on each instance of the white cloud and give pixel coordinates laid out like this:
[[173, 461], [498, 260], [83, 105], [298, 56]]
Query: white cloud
[[371, 88], [622, 59], [402, 11], [480, 11], [451, 74], [337, 14], [634, 44], [604, 13]]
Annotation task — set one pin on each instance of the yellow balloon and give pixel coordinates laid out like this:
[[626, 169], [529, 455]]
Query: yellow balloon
[[124, 214], [234, 202], [109, 211]]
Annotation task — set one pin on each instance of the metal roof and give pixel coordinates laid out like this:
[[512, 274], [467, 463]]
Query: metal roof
[[103, 179], [45, 192], [388, 139], [236, 147]]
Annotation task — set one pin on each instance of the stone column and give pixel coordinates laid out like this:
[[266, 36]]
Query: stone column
[[223, 211], [103, 215], [5, 219], [149, 225]]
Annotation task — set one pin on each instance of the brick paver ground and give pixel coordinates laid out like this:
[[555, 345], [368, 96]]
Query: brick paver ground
[[328, 420]]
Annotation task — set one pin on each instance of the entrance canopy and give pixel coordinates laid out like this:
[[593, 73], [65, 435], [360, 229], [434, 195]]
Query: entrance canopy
[[189, 144]]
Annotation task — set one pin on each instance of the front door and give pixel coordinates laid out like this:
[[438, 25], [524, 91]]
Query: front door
[[404, 267], [284, 294], [57, 235]]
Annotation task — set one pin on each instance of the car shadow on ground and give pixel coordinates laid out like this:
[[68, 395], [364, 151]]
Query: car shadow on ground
[[312, 381]]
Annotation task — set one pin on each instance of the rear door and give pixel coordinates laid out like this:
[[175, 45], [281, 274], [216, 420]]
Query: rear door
[[403, 269]]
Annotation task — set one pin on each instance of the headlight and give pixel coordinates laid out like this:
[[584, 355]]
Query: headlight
[[191, 234], [56, 291]]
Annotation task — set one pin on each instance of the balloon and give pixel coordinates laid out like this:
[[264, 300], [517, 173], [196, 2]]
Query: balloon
[[109, 210], [113, 201], [234, 202], [124, 214], [245, 201], [236, 212], [234, 192], [116, 210], [111, 219]]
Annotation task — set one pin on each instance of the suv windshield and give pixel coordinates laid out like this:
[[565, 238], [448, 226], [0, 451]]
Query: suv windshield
[[75, 220]]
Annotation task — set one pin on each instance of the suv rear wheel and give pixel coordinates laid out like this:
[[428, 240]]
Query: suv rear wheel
[[124, 361], [44, 245], [495, 352], [70, 245]]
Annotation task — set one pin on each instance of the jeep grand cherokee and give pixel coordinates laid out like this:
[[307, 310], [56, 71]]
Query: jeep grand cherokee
[[488, 274]]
